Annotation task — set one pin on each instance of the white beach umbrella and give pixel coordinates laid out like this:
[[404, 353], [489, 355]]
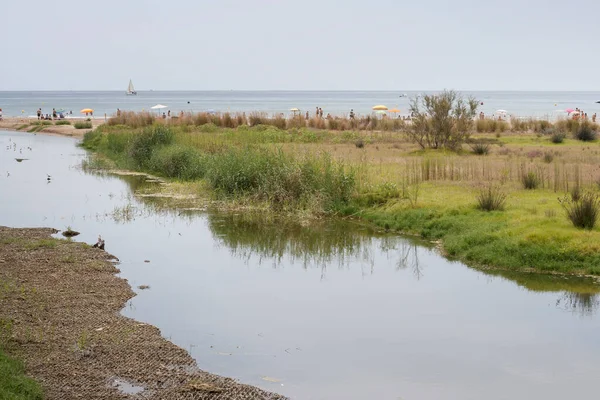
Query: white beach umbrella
[[158, 107]]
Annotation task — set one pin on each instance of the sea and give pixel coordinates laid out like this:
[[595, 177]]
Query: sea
[[548, 105]]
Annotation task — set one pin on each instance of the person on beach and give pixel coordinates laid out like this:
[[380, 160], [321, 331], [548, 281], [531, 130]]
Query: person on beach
[[0, 114], [594, 117], [351, 113], [169, 114], [164, 116], [54, 113], [320, 112], [39, 113], [118, 112], [317, 112], [307, 116]]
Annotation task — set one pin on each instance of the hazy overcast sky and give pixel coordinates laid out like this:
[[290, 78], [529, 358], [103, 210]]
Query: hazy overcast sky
[[300, 44]]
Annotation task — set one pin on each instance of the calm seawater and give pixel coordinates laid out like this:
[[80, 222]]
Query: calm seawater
[[539, 104]]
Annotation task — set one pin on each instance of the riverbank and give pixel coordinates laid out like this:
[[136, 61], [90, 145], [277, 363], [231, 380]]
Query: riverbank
[[60, 316], [72, 127], [383, 177]]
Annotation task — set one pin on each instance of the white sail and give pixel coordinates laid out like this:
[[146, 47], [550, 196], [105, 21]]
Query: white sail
[[130, 88]]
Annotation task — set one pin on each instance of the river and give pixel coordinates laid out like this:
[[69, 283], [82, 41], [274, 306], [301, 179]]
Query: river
[[330, 310]]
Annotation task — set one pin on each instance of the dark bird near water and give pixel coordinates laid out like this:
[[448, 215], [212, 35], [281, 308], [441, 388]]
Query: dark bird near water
[[100, 243]]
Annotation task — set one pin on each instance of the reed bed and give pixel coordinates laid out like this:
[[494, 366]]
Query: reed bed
[[235, 120]]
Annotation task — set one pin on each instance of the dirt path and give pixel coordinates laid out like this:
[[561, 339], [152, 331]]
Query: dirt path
[[59, 313]]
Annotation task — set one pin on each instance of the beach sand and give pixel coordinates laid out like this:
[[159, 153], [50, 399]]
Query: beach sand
[[25, 124]]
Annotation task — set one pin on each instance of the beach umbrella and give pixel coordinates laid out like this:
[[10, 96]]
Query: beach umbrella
[[61, 110], [294, 110], [158, 107], [569, 110], [394, 110], [86, 111], [380, 108], [501, 112]]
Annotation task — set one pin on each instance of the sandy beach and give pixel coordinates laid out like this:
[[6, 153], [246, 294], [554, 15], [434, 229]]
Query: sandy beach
[[25, 124]]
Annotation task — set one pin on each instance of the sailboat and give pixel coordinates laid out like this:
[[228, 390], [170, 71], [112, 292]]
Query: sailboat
[[130, 89]]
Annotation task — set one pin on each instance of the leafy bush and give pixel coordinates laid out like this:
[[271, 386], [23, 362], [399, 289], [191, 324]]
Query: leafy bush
[[491, 198], [548, 157], [62, 122], [585, 132], [441, 120], [82, 125], [359, 143], [530, 180], [557, 137], [583, 213]]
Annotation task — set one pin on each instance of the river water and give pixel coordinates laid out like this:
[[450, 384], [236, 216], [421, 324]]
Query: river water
[[333, 310]]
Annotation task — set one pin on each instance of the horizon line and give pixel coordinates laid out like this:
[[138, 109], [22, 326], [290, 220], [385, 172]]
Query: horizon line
[[298, 90]]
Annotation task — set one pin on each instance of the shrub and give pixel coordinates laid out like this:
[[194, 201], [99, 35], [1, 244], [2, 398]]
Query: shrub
[[359, 143], [548, 157], [491, 198], [144, 143], [583, 213], [178, 162], [62, 122], [576, 193], [530, 180], [82, 125], [481, 149], [441, 120], [557, 137], [585, 132]]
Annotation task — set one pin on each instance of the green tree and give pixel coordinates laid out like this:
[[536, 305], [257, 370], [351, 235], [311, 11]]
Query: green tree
[[442, 120]]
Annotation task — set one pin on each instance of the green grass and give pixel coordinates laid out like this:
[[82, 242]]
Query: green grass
[[62, 122], [14, 385], [237, 164], [520, 238], [82, 125]]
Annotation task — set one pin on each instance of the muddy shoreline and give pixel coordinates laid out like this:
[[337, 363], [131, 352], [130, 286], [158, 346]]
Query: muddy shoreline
[[62, 302]]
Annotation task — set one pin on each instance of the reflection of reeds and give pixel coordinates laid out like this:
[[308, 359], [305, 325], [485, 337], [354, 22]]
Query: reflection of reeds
[[275, 239], [126, 213]]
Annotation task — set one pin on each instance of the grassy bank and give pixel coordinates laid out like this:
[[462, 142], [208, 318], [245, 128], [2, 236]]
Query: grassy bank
[[383, 177], [14, 385]]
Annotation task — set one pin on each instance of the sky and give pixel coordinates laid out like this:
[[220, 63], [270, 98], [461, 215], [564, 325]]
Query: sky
[[300, 45]]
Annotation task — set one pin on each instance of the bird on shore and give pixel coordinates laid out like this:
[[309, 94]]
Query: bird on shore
[[100, 243]]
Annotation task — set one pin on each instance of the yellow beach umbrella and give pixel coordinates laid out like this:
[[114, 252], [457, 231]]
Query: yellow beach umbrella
[[394, 110], [380, 108], [86, 110]]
